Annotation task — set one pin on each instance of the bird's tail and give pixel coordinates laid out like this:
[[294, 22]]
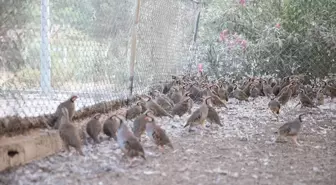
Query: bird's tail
[[52, 120], [143, 156], [186, 125]]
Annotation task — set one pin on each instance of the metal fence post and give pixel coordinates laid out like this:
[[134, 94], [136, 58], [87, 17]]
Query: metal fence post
[[45, 63]]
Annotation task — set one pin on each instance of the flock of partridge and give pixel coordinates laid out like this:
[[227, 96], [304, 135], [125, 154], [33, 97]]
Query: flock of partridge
[[178, 97]]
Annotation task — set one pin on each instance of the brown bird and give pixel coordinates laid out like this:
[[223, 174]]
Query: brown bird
[[69, 105], [267, 89], [276, 90], [285, 82], [239, 94], [164, 102], [184, 89], [142, 103], [177, 95], [290, 129], [247, 86], [93, 127], [215, 99], [272, 82], [230, 87], [167, 87], [190, 101], [259, 86], [129, 144], [305, 101], [285, 85], [254, 91], [139, 124], [195, 93], [182, 107], [199, 116], [111, 126], [310, 92], [295, 88], [69, 133], [223, 93], [143, 106], [274, 106], [330, 90], [134, 111], [157, 134], [156, 108], [285, 95], [320, 97], [214, 87], [213, 116]]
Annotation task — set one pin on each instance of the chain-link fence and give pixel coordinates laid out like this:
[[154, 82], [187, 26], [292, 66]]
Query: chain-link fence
[[50, 50]]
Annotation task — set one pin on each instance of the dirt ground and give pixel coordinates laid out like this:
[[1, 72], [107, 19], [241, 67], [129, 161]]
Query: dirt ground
[[243, 151]]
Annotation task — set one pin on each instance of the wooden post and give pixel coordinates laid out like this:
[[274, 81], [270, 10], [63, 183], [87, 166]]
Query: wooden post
[[194, 44], [196, 25], [133, 46]]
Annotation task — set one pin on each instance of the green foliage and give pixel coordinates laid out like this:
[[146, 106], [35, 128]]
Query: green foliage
[[18, 19], [26, 78], [88, 39], [283, 37]]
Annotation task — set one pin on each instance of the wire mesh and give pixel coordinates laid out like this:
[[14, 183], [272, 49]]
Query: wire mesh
[[51, 50], [164, 33]]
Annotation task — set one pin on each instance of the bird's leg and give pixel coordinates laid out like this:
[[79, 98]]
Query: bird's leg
[[273, 114], [79, 151], [124, 156], [279, 139], [190, 129], [161, 148], [67, 147], [294, 138], [131, 161], [204, 126], [297, 104]]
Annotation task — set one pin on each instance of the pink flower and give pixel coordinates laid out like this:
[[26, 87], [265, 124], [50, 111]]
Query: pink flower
[[242, 2], [223, 35], [278, 25], [200, 67], [238, 40], [244, 44]]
